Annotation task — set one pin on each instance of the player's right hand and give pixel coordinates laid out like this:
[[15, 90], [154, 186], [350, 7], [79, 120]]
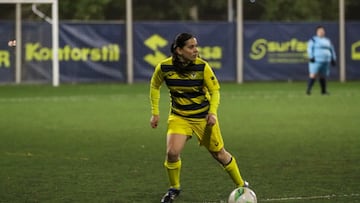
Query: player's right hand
[[154, 120], [333, 62], [211, 119]]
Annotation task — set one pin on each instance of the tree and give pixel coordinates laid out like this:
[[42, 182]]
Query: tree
[[298, 10], [191, 10], [84, 9]]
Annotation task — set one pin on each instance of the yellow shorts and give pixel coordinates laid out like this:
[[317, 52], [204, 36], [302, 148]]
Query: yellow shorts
[[208, 136]]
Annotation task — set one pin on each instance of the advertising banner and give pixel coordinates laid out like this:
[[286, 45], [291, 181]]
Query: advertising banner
[[216, 41], [88, 52], [352, 51], [278, 51], [93, 52], [96, 52], [7, 57]]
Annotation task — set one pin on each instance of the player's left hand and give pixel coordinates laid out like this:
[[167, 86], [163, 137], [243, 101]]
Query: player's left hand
[[211, 119], [154, 120]]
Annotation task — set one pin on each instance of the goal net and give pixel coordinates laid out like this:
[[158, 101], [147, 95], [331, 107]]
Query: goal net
[[19, 73]]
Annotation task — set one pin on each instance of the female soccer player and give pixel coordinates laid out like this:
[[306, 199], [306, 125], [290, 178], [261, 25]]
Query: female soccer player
[[194, 92], [321, 53]]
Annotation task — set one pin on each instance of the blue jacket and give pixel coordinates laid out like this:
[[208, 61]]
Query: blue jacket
[[321, 49]]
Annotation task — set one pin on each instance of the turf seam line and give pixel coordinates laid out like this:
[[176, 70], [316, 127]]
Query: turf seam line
[[310, 197]]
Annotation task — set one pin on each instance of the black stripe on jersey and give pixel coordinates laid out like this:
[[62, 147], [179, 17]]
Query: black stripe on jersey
[[187, 94], [197, 67], [167, 68], [190, 106], [184, 83], [198, 115]]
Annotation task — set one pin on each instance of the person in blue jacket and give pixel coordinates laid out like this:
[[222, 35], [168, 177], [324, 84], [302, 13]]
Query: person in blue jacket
[[321, 54]]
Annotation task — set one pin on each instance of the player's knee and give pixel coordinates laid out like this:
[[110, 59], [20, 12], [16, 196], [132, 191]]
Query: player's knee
[[313, 76], [216, 155], [222, 156], [172, 155]]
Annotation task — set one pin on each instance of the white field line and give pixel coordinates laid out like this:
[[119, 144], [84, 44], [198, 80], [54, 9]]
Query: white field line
[[282, 94], [29, 155], [67, 98], [225, 96], [329, 197], [332, 196]]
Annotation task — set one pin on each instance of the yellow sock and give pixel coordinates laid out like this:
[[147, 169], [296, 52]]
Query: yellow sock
[[233, 170], [173, 171]]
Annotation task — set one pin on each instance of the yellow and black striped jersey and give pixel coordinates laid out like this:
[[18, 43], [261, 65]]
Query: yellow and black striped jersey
[[194, 93]]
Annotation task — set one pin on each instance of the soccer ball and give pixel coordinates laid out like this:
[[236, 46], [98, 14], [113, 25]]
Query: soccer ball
[[242, 195]]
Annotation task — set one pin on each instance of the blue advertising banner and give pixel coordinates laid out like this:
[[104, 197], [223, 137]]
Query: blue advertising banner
[[37, 52], [216, 45], [92, 52], [7, 57], [352, 51], [96, 52], [277, 51], [87, 53]]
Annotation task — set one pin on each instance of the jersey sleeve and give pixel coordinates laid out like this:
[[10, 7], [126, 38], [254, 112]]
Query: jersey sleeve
[[155, 84], [310, 48], [333, 53], [212, 84]]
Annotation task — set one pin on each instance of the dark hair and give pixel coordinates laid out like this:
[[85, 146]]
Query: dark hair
[[319, 27], [179, 41]]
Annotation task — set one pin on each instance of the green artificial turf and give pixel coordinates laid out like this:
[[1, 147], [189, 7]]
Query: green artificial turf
[[93, 143]]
